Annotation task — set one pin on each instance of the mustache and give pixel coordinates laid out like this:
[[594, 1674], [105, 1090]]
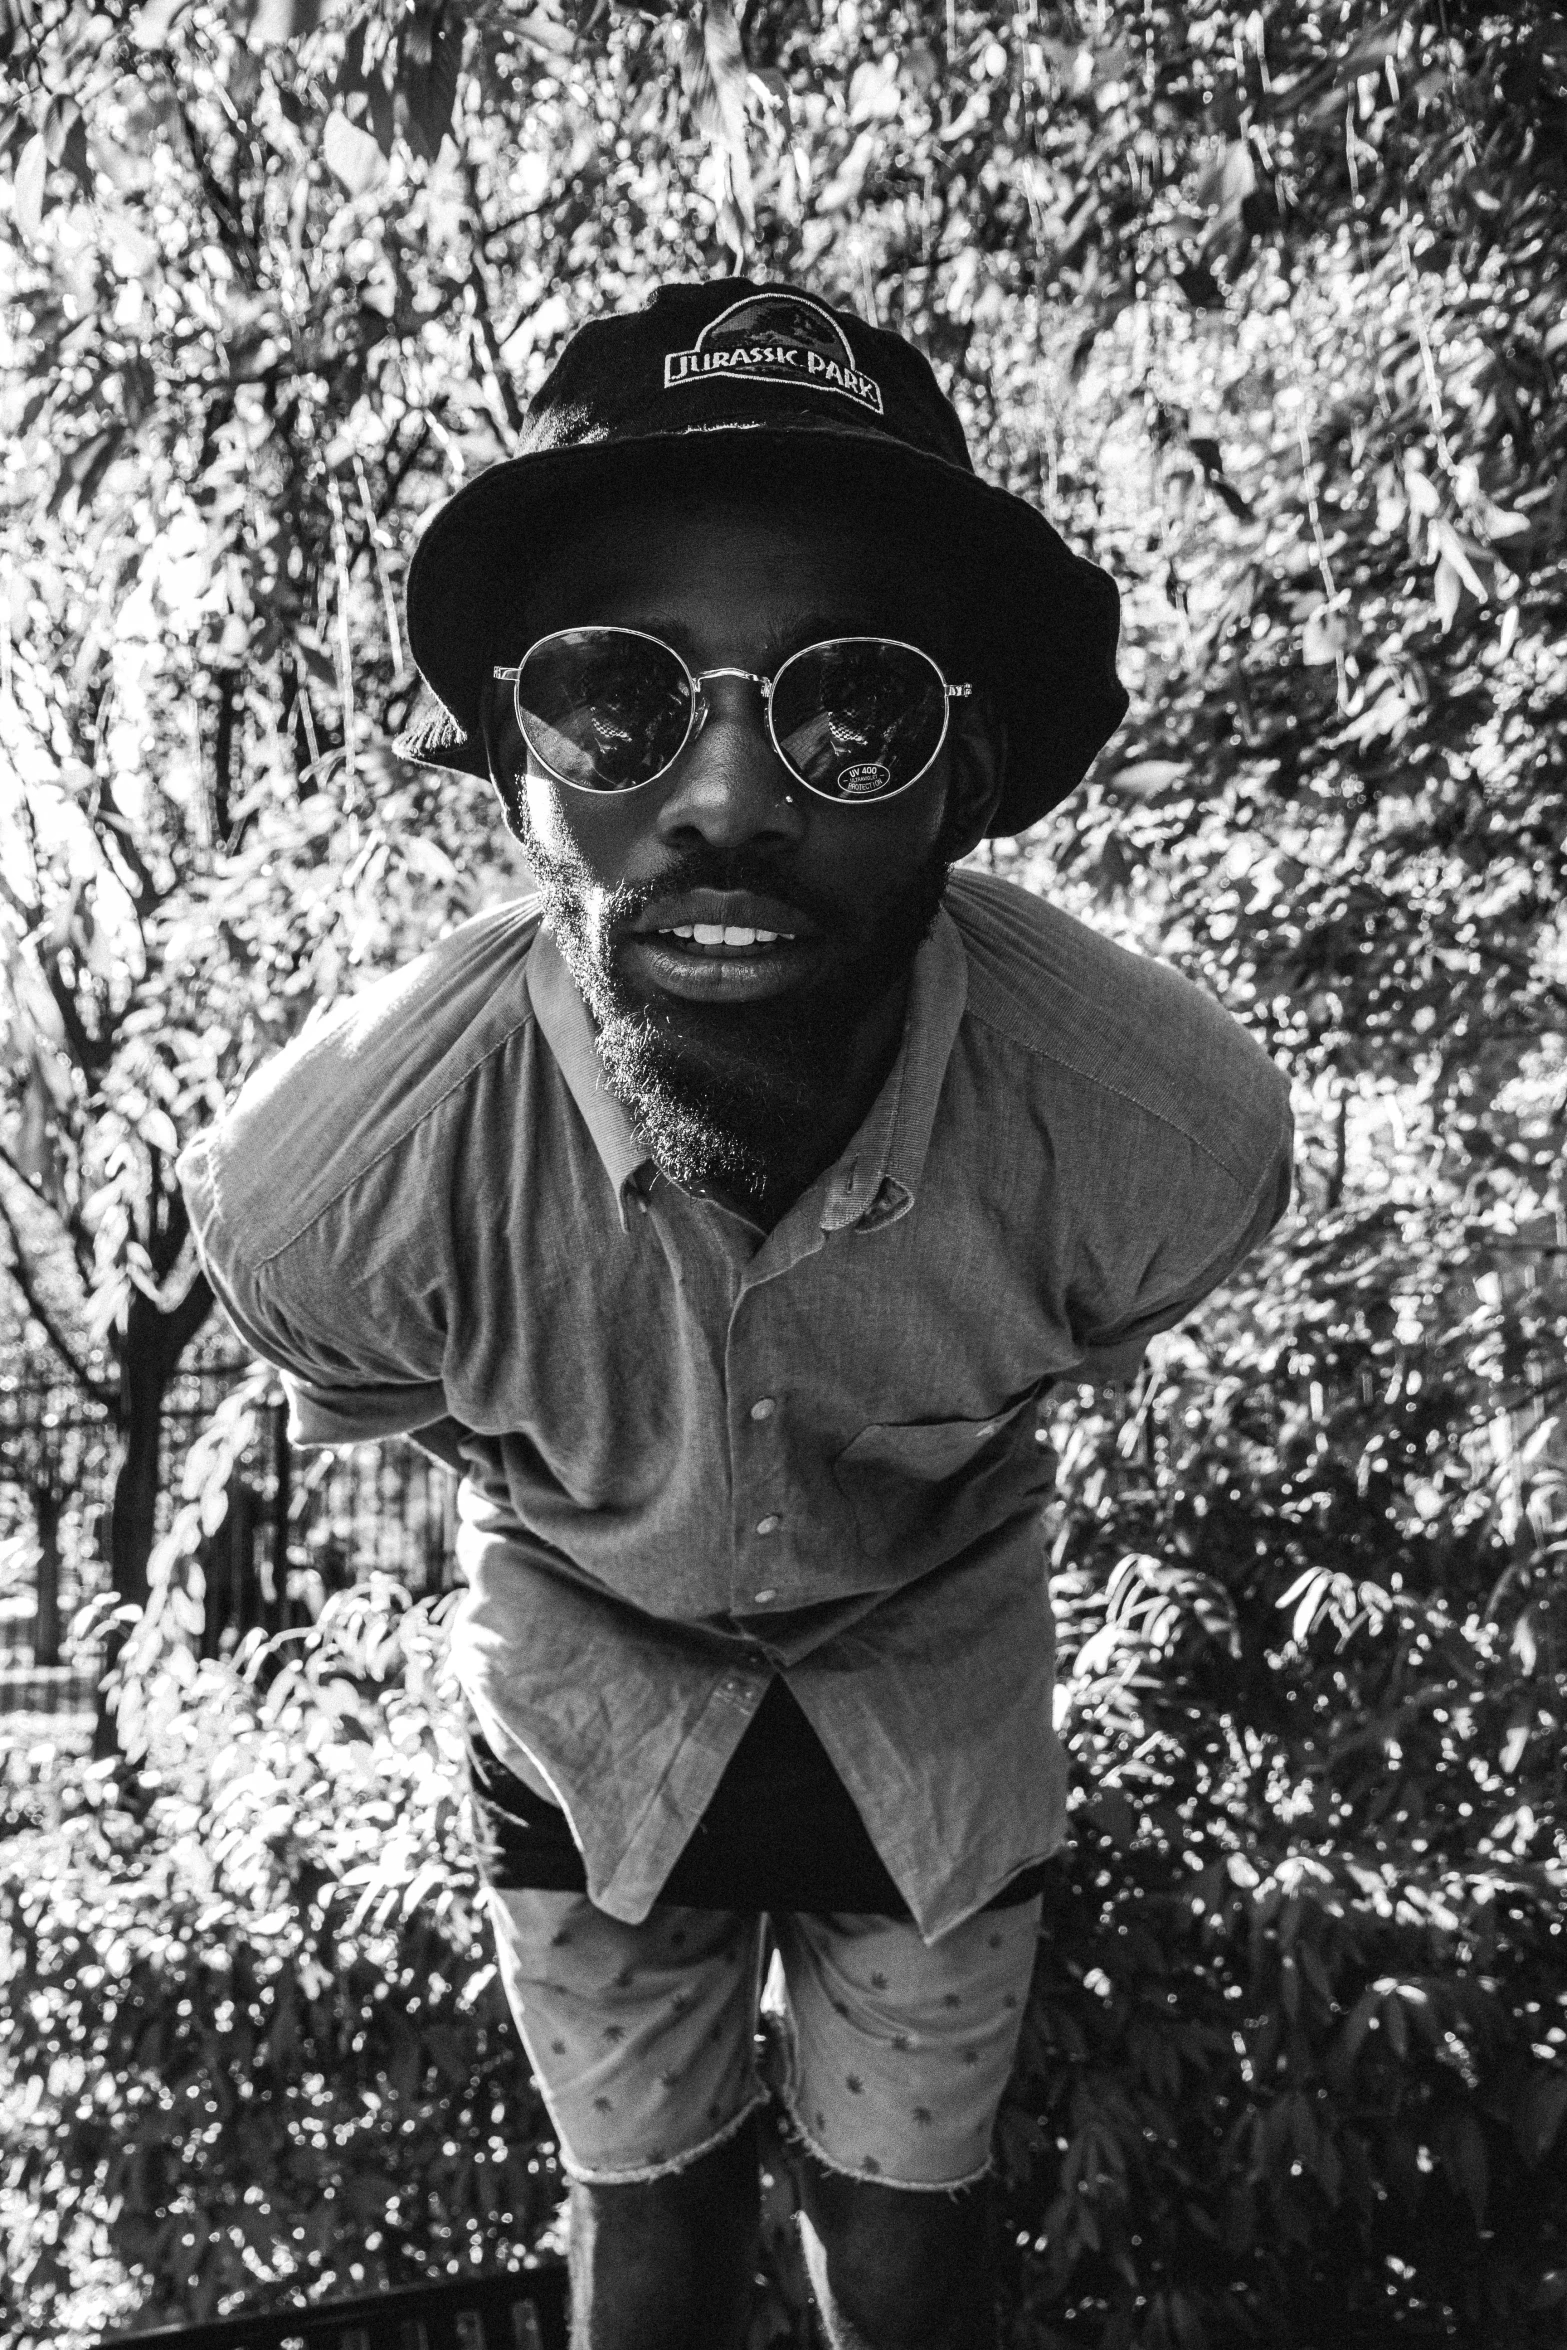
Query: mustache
[[718, 869]]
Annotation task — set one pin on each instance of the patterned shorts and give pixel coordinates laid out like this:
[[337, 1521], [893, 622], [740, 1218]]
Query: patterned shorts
[[643, 2039]]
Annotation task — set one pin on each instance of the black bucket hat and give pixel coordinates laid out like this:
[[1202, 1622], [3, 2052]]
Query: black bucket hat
[[761, 386]]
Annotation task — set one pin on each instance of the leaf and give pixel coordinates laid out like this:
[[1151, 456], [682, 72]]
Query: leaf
[[65, 138], [1462, 2146], [365, 95], [1422, 492], [713, 73], [1520, 1723], [270, 22], [545, 33], [1227, 187], [1525, 1646], [1457, 552], [423, 1881], [1324, 638], [155, 21], [843, 189], [158, 1130], [1538, 2114], [1144, 777], [27, 200], [428, 57], [874, 95], [1449, 590], [315, 661], [84, 467], [1310, 1592], [1113, 1816], [352, 155]]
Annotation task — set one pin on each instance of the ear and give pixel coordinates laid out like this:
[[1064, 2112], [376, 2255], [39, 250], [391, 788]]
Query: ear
[[977, 755]]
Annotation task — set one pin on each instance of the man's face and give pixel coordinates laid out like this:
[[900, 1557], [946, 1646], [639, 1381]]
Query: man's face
[[727, 1055]]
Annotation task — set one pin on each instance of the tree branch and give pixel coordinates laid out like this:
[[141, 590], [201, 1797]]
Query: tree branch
[[146, 893], [92, 1052], [505, 389], [232, 227], [223, 757]]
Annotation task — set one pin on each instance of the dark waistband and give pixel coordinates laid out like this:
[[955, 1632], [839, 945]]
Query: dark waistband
[[781, 1832]]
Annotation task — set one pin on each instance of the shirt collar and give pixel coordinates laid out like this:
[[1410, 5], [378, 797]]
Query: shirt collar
[[873, 1182], [568, 1032]]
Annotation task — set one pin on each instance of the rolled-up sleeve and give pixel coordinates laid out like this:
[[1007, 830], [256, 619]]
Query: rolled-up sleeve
[[359, 1352], [1185, 1223]]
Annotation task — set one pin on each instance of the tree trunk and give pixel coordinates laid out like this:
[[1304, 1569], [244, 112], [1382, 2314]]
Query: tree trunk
[[149, 1357], [48, 1507]]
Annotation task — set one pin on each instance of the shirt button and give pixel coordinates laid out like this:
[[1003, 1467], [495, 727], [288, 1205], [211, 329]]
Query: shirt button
[[762, 1597], [763, 1408], [768, 1525]]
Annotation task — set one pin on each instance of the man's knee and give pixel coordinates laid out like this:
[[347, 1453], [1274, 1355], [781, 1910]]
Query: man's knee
[[900, 2269]]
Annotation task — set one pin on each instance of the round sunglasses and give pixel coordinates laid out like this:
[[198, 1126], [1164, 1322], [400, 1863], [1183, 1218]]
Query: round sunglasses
[[856, 719]]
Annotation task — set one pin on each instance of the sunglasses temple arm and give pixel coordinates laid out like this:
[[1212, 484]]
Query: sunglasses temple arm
[[510, 676]]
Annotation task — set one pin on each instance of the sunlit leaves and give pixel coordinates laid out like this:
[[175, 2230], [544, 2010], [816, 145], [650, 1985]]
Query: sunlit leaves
[[254, 2077], [354, 154], [1266, 308]]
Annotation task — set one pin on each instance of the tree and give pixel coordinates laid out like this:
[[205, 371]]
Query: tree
[[1265, 307]]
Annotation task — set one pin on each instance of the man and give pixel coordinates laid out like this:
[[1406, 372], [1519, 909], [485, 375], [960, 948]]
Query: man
[[726, 1226]]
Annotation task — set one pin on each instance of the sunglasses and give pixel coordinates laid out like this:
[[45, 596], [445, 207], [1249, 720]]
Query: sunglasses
[[856, 719]]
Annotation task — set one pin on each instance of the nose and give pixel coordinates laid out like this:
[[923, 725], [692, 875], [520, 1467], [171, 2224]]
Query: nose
[[729, 785]]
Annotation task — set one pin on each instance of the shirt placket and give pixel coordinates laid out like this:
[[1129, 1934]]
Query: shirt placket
[[763, 1527]]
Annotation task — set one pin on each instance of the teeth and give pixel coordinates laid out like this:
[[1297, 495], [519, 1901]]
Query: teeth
[[725, 934]]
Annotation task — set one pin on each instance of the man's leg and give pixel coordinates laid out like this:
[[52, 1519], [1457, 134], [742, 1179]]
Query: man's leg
[[641, 2039], [896, 2056], [668, 2265], [895, 2270]]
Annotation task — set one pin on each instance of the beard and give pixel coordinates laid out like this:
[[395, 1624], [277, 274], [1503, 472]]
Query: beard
[[731, 1094]]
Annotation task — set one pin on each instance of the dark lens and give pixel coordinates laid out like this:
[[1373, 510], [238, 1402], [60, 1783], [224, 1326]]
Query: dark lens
[[602, 707], [859, 717]]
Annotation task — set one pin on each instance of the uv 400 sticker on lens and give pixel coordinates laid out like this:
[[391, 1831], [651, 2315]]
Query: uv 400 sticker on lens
[[864, 781]]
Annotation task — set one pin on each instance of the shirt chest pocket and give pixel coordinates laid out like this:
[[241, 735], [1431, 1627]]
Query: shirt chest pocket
[[926, 1488]]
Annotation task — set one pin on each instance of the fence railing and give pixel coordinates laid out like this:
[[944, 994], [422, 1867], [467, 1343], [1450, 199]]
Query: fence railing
[[525, 2310], [298, 1527]]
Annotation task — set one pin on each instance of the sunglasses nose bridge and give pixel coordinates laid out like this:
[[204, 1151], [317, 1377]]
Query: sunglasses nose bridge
[[702, 708], [764, 685]]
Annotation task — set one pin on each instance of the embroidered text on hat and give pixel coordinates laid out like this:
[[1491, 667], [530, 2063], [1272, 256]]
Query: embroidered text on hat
[[776, 338]]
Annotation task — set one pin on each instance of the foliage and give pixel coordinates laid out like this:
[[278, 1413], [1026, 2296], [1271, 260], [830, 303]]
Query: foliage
[[252, 2002], [1265, 306], [1294, 2069]]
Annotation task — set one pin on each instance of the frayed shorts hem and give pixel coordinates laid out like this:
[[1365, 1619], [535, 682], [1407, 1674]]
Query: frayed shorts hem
[[796, 2130], [644, 2174]]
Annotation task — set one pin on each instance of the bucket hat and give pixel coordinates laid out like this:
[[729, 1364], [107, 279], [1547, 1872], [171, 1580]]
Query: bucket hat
[[764, 387]]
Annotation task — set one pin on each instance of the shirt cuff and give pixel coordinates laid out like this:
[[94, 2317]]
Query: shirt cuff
[[359, 1415]]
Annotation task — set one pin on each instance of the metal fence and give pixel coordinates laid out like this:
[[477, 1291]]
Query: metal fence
[[298, 1527], [524, 2310]]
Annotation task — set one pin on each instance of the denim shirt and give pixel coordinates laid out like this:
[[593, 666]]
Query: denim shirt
[[698, 1454]]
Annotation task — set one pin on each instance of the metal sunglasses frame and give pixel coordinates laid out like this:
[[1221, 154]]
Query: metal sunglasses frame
[[701, 709]]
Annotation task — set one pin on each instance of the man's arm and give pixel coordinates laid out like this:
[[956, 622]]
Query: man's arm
[[341, 1309], [1213, 1226]]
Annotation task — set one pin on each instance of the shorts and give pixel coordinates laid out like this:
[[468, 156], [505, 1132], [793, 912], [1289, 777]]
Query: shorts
[[893, 2054]]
